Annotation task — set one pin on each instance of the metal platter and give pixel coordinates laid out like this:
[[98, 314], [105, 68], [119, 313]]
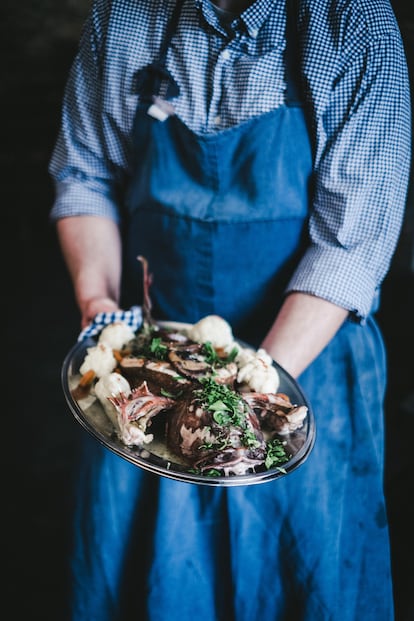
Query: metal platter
[[155, 456]]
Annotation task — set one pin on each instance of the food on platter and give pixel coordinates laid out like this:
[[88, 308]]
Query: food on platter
[[213, 399], [213, 329], [256, 370], [116, 335], [108, 385], [99, 360]]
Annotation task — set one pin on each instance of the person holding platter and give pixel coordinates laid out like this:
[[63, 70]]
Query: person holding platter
[[257, 154]]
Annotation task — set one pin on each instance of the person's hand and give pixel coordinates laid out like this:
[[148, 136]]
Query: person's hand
[[90, 308]]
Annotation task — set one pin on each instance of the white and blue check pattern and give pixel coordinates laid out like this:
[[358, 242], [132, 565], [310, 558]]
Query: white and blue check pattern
[[132, 318], [355, 87]]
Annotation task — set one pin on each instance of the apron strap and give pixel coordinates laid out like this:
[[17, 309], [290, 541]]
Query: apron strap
[[155, 77], [170, 32], [292, 57]]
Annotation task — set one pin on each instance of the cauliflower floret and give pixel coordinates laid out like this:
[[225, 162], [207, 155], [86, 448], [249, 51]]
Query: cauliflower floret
[[256, 370], [116, 334], [213, 329], [245, 355], [111, 385], [99, 359]]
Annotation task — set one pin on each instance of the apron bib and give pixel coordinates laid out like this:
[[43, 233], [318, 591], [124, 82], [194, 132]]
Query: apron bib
[[220, 217]]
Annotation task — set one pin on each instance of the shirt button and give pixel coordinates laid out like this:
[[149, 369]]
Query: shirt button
[[253, 33], [217, 120], [225, 55]]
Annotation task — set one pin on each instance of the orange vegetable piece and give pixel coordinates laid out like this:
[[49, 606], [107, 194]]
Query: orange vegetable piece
[[87, 378]]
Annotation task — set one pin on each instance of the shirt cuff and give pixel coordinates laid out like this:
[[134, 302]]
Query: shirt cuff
[[74, 199], [337, 275]]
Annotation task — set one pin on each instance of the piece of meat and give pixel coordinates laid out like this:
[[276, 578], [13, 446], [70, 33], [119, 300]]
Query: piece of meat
[[160, 375], [224, 435], [276, 412], [135, 413]]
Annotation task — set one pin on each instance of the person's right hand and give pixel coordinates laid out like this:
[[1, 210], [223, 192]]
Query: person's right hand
[[90, 308]]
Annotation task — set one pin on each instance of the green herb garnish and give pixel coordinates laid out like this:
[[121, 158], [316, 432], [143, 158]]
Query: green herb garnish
[[213, 473], [211, 356], [276, 454], [166, 393], [158, 349], [249, 439], [227, 407]]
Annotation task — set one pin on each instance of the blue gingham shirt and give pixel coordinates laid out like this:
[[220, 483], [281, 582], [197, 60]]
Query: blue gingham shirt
[[355, 88]]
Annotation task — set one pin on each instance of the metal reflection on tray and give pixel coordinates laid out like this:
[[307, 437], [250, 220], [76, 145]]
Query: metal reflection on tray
[[155, 457]]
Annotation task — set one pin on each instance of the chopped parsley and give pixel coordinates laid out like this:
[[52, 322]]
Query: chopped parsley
[[227, 406], [249, 439], [167, 393], [158, 349], [211, 356], [228, 410], [212, 472], [276, 454]]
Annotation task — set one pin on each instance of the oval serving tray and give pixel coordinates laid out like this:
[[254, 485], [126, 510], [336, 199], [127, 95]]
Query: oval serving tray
[[155, 456]]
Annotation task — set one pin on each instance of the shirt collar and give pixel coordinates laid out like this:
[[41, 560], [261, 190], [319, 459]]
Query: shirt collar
[[250, 21]]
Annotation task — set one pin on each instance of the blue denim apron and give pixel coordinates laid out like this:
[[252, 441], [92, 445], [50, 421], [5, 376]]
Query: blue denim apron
[[221, 219]]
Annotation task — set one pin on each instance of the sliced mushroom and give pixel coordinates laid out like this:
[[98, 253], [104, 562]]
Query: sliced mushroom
[[189, 361]]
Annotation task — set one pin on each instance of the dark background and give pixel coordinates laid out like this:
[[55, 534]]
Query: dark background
[[37, 41]]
